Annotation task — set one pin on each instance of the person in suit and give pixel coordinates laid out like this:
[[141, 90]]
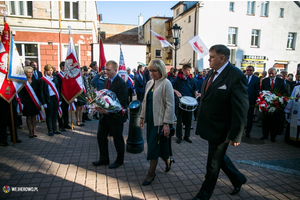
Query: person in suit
[[158, 112], [50, 99], [36, 73], [199, 81], [112, 123], [287, 83], [91, 75], [253, 93], [184, 85], [30, 109], [63, 121], [271, 123], [139, 84], [146, 75], [221, 119], [85, 78]]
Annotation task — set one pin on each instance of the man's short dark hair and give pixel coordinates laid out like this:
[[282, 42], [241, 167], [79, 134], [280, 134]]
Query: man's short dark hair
[[84, 68], [221, 49], [185, 66], [93, 64], [251, 67], [139, 67], [62, 64]]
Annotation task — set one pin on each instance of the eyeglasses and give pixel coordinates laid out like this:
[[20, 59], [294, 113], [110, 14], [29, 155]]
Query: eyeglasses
[[153, 70]]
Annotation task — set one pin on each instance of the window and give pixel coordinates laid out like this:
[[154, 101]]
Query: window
[[23, 8], [231, 6], [291, 41], [177, 12], [264, 9], [232, 36], [251, 7], [190, 19], [71, 10], [281, 12], [28, 52], [157, 53], [255, 38]]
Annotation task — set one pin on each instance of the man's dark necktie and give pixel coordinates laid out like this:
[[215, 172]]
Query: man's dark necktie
[[272, 84], [108, 84], [248, 77], [210, 80]]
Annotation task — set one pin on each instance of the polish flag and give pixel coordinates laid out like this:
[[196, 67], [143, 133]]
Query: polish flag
[[198, 46], [72, 85], [163, 42], [102, 60]]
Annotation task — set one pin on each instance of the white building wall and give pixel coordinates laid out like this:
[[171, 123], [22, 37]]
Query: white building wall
[[213, 29]]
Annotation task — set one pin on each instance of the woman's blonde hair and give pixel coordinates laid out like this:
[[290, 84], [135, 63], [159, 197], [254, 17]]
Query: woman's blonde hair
[[47, 67], [28, 69], [159, 64]]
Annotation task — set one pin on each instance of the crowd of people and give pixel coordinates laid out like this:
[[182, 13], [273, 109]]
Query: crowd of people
[[226, 99]]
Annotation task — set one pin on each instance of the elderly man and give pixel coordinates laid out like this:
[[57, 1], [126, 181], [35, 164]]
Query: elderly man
[[271, 124], [221, 119], [36, 73]]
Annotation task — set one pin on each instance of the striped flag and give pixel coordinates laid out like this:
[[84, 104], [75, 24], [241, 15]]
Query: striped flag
[[198, 46], [163, 42]]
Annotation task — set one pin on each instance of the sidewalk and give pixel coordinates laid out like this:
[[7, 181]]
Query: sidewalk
[[61, 168]]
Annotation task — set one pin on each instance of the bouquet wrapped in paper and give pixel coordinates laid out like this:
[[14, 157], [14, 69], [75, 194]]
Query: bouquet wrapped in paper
[[269, 102], [104, 99]]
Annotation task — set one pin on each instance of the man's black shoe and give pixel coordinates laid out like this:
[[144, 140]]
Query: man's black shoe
[[4, 144], [264, 138], [114, 165], [17, 141], [57, 132], [99, 163], [237, 189], [188, 140], [178, 141], [68, 126], [62, 129]]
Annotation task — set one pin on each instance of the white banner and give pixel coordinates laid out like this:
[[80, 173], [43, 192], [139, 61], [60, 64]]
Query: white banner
[[198, 46]]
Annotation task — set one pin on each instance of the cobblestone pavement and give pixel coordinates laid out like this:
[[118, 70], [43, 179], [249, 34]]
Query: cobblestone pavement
[[61, 168]]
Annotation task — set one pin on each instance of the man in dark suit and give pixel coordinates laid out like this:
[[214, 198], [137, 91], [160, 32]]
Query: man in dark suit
[[139, 83], [253, 93], [112, 123], [221, 118], [36, 73], [271, 123]]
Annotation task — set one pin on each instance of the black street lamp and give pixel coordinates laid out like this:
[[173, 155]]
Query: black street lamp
[[176, 33]]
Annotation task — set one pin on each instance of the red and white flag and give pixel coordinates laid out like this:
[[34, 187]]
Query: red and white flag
[[163, 42], [8, 88], [198, 46], [122, 67], [72, 85], [102, 60]]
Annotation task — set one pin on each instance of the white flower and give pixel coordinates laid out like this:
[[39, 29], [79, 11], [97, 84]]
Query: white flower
[[106, 105], [272, 109], [281, 100]]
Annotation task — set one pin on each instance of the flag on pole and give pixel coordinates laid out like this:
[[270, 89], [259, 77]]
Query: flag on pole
[[122, 67], [163, 42], [72, 82], [198, 46], [8, 88], [102, 60]]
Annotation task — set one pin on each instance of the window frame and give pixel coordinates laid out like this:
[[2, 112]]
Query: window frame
[[232, 34], [251, 8], [264, 11], [292, 45], [160, 53], [177, 12], [24, 57], [189, 18], [281, 12], [17, 9], [257, 36], [231, 6]]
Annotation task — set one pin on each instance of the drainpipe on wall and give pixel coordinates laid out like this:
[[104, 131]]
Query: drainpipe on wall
[[60, 30], [195, 32]]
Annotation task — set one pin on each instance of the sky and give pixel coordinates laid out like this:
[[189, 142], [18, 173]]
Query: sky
[[127, 12]]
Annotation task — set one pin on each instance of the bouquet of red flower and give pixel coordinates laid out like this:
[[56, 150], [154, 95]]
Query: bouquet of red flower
[[269, 102]]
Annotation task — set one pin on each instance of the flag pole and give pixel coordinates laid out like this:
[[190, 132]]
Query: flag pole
[[12, 123], [69, 27]]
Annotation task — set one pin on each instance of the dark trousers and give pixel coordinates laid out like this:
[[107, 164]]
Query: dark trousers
[[51, 114], [64, 119], [216, 160], [196, 111], [140, 97], [271, 125], [16, 119], [250, 119], [4, 119], [104, 128], [129, 96], [184, 117]]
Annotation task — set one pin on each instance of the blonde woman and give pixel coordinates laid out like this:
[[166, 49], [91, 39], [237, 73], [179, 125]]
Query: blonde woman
[[50, 99], [158, 112]]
